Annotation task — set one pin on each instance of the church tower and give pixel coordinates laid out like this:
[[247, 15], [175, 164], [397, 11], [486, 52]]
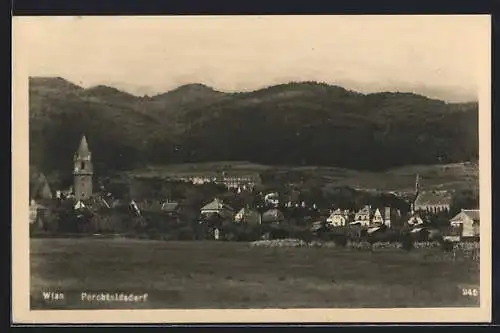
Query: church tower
[[83, 171]]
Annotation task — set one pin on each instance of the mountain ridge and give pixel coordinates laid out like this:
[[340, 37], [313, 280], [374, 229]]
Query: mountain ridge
[[34, 79], [301, 123]]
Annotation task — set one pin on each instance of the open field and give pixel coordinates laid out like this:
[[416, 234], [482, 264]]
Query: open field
[[235, 275], [445, 177]]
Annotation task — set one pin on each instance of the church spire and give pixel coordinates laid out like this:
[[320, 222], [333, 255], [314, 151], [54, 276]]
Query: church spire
[[83, 150]]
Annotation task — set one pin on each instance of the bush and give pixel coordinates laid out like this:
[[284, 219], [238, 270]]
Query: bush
[[286, 242], [279, 232], [243, 232], [386, 245], [466, 246], [407, 242], [359, 245], [447, 246], [426, 245], [340, 240], [185, 233]]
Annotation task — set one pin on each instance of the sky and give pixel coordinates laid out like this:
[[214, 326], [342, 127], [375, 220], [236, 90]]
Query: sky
[[437, 56]]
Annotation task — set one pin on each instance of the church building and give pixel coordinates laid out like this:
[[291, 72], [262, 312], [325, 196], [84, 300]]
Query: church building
[[431, 201], [83, 171]]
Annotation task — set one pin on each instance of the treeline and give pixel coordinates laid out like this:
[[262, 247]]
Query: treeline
[[61, 216], [156, 226]]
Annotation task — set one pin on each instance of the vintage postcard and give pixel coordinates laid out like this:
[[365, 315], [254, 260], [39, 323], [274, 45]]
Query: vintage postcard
[[251, 169]]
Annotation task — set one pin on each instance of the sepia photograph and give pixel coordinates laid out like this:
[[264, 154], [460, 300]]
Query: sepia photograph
[[251, 168]]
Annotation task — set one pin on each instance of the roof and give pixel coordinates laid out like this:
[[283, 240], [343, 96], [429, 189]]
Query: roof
[[40, 204], [272, 196], [102, 202], [170, 206], [473, 214], [246, 211], [339, 212], [272, 214], [433, 198], [153, 205], [40, 187], [364, 210], [83, 149], [79, 205], [216, 204], [372, 230], [134, 206], [416, 218], [318, 225], [247, 214]]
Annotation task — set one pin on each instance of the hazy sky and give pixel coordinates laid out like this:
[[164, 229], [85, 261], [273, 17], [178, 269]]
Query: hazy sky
[[432, 55]]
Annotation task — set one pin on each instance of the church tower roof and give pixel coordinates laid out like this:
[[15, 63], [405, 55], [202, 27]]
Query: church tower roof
[[83, 150]]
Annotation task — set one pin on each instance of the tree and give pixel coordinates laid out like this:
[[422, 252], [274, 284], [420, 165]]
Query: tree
[[66, 217], [447, 246], [465, 199], [407, 242]]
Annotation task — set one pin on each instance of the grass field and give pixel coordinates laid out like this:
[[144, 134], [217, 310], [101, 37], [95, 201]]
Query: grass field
[[235, 275], [456, 176]]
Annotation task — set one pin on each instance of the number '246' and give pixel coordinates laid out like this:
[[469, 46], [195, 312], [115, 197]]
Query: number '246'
[[470, 292]]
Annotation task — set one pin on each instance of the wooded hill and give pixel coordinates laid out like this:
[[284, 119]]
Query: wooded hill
[[304, 123]]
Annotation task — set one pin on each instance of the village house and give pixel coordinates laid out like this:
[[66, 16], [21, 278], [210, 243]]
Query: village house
[[247, 215], [79, 205], [95, 203], [171, 208], [364, 216], [415, 220], [41, 198], [217, 207], [433, 202], [338, 218], [464, 225], [155, 206], [150, 205], [37, 212], [385, 216], [239, 181], [272, 216], [199, 180], [378, 218], [318, 226], [196, 179], [233, 180], [272, 199]]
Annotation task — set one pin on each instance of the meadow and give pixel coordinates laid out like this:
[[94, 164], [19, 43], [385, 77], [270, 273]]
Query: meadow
[[457, 176], [210, 274]]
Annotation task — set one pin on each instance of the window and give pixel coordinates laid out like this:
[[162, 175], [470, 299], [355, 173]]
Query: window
[[82, 165]]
